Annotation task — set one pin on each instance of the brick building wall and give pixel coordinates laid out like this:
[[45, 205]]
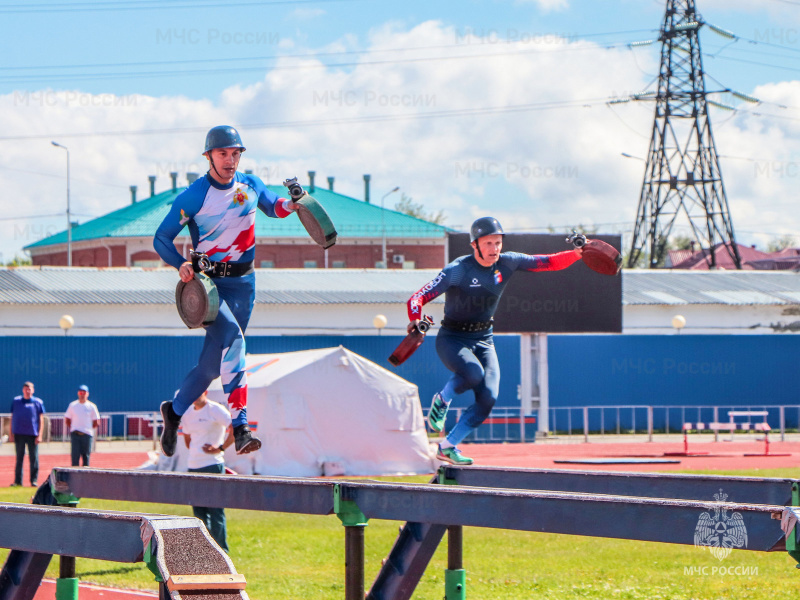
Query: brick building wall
[[350, 256], [93, 256], [284, 255]]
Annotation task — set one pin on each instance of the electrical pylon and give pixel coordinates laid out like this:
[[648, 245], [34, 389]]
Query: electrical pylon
[[682, 175]]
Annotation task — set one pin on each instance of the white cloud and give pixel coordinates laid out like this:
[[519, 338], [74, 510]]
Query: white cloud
[[783, 13], [557, 163], [306, 14], [547, 5]]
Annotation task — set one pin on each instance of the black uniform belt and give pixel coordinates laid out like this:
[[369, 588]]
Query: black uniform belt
[[229, 269], [466, 325]]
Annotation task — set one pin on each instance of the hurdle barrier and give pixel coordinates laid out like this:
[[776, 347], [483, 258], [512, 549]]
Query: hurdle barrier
[[721, 426], [35, 533], [595, 504]]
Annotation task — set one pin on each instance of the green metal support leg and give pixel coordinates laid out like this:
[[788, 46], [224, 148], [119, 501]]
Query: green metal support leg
[[354, 523], [67, 588], [67, 582], [455, 577], [791, 540]]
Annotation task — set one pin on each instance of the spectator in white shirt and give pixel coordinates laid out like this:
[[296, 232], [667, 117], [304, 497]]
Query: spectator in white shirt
[[207, 432], [82, 418]]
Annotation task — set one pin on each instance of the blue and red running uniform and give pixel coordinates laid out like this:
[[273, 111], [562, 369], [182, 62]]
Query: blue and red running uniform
[[221, 220], [472, 292]]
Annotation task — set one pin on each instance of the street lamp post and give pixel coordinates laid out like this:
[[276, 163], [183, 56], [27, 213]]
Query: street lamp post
[[383, 228], [69, 217], [678, 322]]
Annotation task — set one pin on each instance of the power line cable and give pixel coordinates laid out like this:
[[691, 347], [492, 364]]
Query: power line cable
[[147, 5], [758, 64], [335, 121], [309, 54], [73, 76], [57, 176]]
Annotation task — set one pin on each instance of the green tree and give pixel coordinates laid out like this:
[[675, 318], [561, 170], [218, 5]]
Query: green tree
[[782, 242], [19, 261], [587, 230], [680, 242], [407, 206], [643, 260]]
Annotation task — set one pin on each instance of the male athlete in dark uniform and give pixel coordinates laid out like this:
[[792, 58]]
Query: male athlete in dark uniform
[[472, 285], [220, 211]]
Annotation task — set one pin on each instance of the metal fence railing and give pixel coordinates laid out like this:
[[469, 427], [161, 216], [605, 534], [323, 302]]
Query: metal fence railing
[[137, 425], [652, 419], [512, 425], [504, 424]]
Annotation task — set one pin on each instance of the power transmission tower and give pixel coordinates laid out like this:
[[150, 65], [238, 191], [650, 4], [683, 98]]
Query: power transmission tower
[[682, 175]]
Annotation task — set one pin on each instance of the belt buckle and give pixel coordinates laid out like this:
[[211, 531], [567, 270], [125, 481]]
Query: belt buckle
[[211, 271]]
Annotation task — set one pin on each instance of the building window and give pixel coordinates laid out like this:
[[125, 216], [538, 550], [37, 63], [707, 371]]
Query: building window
[[267, 264], [338, 264], [309, 264]]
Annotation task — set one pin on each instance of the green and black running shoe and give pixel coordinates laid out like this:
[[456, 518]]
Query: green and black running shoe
[[453, 456], [437, 413]]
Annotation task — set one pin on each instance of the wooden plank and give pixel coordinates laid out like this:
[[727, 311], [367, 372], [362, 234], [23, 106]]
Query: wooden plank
[[230, 581]]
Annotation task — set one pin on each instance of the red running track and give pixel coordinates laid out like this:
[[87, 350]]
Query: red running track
[[723, 456], [47, 462]]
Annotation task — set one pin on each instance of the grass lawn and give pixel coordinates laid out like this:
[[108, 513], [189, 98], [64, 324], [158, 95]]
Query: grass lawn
[[287, 556]]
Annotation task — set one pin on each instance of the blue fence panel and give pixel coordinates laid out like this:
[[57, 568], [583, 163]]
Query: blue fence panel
[[734, 371], [137, 373], [746, 371]]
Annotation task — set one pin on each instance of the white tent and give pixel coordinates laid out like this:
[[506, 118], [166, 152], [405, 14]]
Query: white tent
[[330, 412]]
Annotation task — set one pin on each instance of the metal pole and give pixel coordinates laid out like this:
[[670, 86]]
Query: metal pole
[[383, 228], [716, 420], [354, 562], [69, 220], [526, 380], [66, 567], [586, 424], [782, 415], [649, 423], [455, 547], [455, 578], [67, 583], [69, 217], [544, 384], [602, 422]]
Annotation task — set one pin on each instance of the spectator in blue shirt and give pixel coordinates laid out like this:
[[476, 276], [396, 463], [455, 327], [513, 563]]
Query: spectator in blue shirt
[[27, 424]]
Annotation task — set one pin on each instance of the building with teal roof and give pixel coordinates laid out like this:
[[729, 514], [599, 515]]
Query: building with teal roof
[[124, 237]]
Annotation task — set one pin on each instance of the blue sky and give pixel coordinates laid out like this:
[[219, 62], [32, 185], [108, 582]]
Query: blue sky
[[141, 40], [342, 87]]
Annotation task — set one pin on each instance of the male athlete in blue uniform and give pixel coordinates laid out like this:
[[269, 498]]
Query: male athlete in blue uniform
[[220, 210], [472, 285]]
